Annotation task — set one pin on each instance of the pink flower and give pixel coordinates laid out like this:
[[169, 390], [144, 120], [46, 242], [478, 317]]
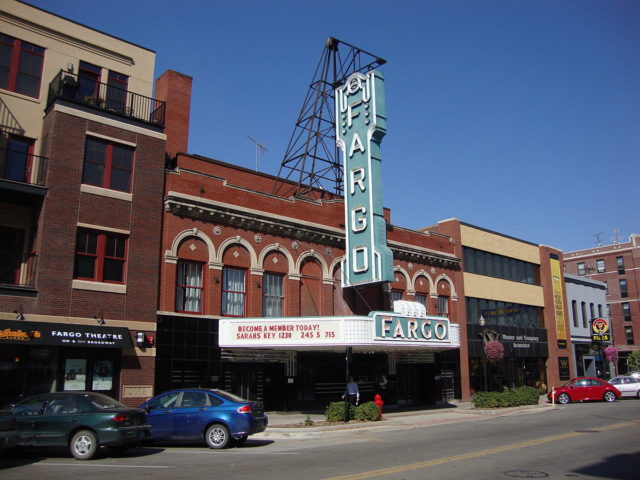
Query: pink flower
[[494, 350], [611, 354]]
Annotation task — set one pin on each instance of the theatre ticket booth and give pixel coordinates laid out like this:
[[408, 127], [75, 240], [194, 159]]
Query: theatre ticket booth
[[302, 362]]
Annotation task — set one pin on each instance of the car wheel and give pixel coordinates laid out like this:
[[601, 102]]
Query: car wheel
[[217, 436], [638, 395], [84, 445], [609, 397], [119, 450], [563, 398]]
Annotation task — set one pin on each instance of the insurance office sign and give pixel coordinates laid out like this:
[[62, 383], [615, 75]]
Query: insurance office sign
[[360, 125]]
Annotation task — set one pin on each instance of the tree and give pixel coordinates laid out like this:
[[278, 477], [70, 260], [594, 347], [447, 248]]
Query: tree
[[633, 361]]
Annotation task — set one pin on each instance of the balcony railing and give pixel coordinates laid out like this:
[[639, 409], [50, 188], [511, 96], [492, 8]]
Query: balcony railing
[[18, 270], [87, 91], [23, 167]]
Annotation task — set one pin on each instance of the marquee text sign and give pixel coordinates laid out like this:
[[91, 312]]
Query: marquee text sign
[[360, 125], [265, 332], [408, 329]]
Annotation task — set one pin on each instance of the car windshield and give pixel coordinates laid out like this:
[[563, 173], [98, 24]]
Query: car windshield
[[230, 396], [103, 402]]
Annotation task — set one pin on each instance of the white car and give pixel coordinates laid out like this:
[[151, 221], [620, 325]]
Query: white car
[[628, 386]]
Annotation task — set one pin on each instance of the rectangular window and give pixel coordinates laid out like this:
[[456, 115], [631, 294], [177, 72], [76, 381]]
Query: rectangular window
[[582, 269], [107, 165], [626, 311], [17, 163], [189, 287], [629, 334], [600, 266], [599, 310], [623, 288], [117, 91], [443, 305], [20, 66], [272, 295], [421, 298], [233, 292], [89, 83], [592, 310], [395, 295], [583, 306], [620, 264], [574, 312], [100, 257]]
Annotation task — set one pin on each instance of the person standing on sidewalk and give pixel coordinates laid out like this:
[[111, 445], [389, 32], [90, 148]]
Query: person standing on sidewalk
[[352, 393]]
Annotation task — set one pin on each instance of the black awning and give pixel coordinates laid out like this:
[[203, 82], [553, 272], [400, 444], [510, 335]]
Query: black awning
[[63, 334]]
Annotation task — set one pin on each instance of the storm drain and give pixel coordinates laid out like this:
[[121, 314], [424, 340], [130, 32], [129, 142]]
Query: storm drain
[[526, 474]]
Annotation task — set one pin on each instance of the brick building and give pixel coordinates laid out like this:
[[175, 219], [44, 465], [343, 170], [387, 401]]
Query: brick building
[[618, 266], [512, 291], [82, 153], [231, 248]]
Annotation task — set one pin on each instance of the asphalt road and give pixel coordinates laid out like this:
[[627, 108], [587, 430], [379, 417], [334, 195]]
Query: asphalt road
[[586, 441]]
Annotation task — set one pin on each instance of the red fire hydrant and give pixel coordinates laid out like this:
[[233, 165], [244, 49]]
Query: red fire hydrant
[[377, 399]]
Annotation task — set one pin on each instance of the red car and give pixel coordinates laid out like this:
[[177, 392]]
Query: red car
[[584, 388]]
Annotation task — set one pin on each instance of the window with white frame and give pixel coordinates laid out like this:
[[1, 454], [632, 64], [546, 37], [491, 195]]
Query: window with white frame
[[623, 288], [272, 295], [600, 265], [443, 305], [189, 287], [582, 269], [233, 292]]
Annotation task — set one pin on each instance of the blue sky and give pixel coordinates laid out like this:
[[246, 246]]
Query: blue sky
[[521, 117]]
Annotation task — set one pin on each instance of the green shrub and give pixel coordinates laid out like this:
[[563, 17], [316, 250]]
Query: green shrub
[[509, 398], [367, 412], [335, 412]]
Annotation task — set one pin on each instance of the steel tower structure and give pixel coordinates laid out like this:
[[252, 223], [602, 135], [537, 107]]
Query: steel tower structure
[[311, 163]]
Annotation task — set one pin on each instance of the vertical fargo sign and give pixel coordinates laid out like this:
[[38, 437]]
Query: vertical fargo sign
[[360, 125]]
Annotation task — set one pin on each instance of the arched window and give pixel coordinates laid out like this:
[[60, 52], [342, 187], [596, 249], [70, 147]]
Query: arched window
[[236, 260], [192, 256]]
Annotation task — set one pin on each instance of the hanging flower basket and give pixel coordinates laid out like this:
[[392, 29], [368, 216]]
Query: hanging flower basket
[[611, 354], [494, 350]]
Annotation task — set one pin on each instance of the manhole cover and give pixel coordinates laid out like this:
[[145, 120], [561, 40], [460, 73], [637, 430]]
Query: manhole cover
[[526, 474]]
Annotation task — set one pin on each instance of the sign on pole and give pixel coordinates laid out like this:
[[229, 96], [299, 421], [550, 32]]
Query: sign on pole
[[360, 125]]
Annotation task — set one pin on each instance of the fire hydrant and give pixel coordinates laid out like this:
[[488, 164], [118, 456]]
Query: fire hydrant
[[377, 399]]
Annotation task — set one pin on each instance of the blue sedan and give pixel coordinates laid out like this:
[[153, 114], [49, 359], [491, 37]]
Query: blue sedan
[[215, 416]]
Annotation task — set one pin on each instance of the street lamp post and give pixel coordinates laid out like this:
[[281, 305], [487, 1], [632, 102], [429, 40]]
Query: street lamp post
[[481, 321]]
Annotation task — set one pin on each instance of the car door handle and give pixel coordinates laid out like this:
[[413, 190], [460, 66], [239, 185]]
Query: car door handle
[[203, 409], [168, 411], [76, 419]]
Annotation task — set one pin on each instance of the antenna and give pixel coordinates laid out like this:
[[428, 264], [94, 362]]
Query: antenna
[[598, 241], [616, 235], [260, 149]]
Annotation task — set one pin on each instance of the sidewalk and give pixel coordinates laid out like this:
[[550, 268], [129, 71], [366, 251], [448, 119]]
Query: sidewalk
[[310, 424]]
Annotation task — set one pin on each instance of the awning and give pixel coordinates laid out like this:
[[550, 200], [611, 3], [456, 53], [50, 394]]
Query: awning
[[23, 332]]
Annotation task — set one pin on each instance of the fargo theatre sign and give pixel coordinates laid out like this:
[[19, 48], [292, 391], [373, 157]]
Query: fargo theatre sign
[[360, 125]]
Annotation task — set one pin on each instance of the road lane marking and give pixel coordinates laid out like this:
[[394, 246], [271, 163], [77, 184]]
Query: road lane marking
[[480, 453]]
